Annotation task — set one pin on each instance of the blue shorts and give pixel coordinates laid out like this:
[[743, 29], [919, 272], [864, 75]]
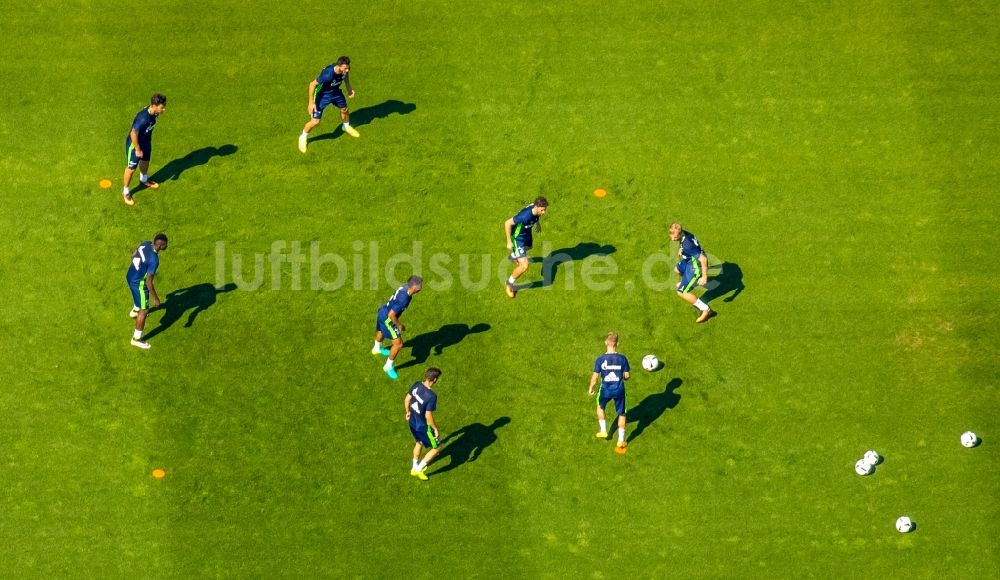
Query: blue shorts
[[690, 273], [131, 159], [424, 435], [335, 98], [519, 252], [140, 295], [619, 399], [385, 325]]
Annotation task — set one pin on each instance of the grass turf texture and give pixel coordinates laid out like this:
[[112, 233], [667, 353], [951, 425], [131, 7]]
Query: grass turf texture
[[845, 158]]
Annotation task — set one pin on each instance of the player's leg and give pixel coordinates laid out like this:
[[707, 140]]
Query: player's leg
[[397, 345], [428, 458], [345, 118], [602, 421], [520, 257], [690, 271], [417, 448], [520, 268], [621, 410], [144, 171], [431, 442], [131, 162], [311, 123], [377, 347], [140, 305], [345, 114]]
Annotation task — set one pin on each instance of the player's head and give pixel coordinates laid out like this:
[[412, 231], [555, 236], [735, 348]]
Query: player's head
[[540, 205], [157, 103], [675, 232], [160, 242], [343, 64], [432, 375], [611, 340], [414, 284]]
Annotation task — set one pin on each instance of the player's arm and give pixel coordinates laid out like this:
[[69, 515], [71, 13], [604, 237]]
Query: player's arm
[[134, 136], [312, 91], [430, 421], [395, 320], [593, 383], [507, 227], [347, 85], [703, 260], [154, 297], [406, 405]]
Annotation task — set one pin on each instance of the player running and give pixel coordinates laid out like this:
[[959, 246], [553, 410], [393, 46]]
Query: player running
[[517, 230], [139, 146], [145, 262], [612, 369], [387, 324], [325, 90], [693, 269], [420, 404]]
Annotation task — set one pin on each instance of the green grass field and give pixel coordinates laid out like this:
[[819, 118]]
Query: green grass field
[[843, 161]]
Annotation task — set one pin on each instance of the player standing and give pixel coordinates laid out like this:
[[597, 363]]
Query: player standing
[[325, 90], [612, 369], [693, 269], [517, 231], [139, 146], [387, 324], [420, 404], [145, 262]]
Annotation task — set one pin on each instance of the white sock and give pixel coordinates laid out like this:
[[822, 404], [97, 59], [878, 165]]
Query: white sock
[[304, 134], [137, 335], [347, 125], [388, 363], [125, 191], [378, 345], [510, 280], [421, 465], [604, 425], [143, 177], [621, 435], [415, 464], [700, 305]]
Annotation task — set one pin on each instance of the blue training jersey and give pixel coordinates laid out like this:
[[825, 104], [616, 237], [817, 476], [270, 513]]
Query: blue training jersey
[[524, 221], [690, 248], [329, 80], [144, 262], [143, 125], [422, 399], [612, 368], [398, 302]]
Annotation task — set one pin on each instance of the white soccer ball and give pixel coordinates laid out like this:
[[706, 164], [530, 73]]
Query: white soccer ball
[[969, 439], [650, 362], [862, 467], [872, 457], [904, 525]]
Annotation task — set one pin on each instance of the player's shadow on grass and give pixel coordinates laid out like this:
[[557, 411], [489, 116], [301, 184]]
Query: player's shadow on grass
[[551, 263], [729, 279], [195, 298], [437, 340], [468, 443], [175, 168], [652, 407], [366, 115]]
